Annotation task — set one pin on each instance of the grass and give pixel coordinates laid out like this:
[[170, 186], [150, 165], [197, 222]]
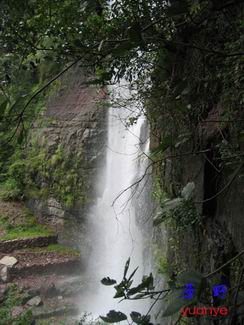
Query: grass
[[58, 248], [27, 228]]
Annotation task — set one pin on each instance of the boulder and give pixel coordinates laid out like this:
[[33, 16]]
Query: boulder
[[17, 311], [35, 301], [4, 274], [8, 261]]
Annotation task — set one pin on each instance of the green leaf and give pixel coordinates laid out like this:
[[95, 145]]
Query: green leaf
[[114, 317], [120, 289], [132, 274], [140, 319], [135, 316], [127, 264], [107, 281], [147, 283], [3, 107]]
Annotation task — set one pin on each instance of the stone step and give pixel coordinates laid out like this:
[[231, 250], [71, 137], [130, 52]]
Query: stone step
[[42, 263], [73, 266], [8, 246], [52, 285], [57, 306]]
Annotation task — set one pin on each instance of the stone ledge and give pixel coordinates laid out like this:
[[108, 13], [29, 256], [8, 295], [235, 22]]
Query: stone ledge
[[8, 246], [71, 266]]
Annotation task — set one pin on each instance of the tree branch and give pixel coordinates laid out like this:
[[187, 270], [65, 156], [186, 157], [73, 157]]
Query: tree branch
[[224, 265], [224, 188]]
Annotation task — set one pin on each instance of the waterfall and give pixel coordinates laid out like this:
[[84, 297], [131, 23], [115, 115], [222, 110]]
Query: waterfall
[[115, 233]]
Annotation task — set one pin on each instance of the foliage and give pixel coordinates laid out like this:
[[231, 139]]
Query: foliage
[[157, 193], [10, 190], [34, 171], [14, 298], [175, 295], [183, 58], [181, 209], [125, 290], [146, 42], [163, 267]]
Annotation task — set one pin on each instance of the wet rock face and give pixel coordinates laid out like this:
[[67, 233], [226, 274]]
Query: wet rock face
[[210, 244], [76, 124], [55, 212]]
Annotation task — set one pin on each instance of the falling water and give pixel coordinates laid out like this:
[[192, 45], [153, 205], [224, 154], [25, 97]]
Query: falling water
[[115, 234]]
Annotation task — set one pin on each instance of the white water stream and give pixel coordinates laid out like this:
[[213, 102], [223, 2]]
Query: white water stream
[[114, 232]]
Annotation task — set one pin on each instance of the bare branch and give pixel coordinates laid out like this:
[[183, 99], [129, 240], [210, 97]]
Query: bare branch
[[224, 265], [236, 172]]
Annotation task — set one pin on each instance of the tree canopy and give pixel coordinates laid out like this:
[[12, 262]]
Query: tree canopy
[[185, 59]]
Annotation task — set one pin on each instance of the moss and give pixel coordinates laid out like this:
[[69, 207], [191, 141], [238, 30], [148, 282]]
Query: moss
[[163, 266], [158, 194], [160, 258], [35, 172]]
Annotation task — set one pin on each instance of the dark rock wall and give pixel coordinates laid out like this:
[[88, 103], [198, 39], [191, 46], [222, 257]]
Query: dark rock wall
[[75, 120]]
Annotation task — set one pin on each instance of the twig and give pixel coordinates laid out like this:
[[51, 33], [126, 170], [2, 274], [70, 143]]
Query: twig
[[210, 162], [224, 188], [153, 304], [20, 116], [236, 296], [224, 265], [48, 84], [178, 320], [154, 163]]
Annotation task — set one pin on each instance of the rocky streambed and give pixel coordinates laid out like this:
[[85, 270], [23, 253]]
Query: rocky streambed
[[48, 276]]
